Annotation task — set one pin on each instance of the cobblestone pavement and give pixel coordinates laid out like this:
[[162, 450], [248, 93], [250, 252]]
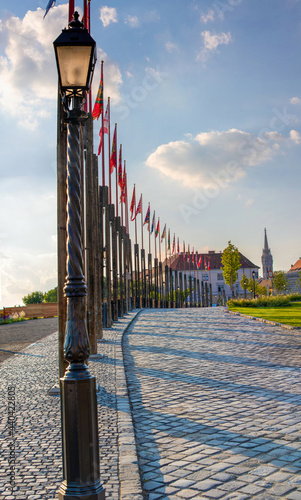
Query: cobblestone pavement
[[36, 443], [216, 405]]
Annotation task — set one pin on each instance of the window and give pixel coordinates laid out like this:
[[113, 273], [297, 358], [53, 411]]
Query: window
[[205, 277], [220, 276]]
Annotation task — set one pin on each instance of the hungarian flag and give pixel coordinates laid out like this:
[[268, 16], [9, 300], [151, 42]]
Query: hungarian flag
[[120, 177], [139, 207], [200, 261], [147, 217], [163, 234], [113, 160], [158, 229], [98, 106], [105, 130], [153, 224], [173, 243], [178, 247], [133, 204]]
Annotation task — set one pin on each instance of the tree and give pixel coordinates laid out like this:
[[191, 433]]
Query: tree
[[298, 282], [280, 282], [33, 298], [244, 284], [230, 264], [51, 295]]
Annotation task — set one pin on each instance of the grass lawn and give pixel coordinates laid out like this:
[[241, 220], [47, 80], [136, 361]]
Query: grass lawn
[[289, 315]]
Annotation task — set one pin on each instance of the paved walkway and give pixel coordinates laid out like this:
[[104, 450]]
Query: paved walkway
[[215, 401], [216, 405]]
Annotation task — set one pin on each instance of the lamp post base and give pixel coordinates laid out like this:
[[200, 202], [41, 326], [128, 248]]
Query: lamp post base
[[83, 493]]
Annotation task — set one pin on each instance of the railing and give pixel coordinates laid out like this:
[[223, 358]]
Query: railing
[[48, 310]]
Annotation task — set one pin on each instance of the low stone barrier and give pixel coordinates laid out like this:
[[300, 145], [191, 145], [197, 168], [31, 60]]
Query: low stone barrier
[[48, 310]]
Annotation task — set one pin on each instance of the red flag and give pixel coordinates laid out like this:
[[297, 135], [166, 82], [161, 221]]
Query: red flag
[[120, 178], [105, 130], [200, 261], [113, 160], [205, 263], [139, 207], [184, 251], [122, 195], [209, 265], [98, 106], [178, 247], [173, 243], [192, 258], [133, 204]]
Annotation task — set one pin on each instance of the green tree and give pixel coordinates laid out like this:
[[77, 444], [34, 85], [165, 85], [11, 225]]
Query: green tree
[[51, 295], [298, 282], [280, 283], [230, 264], [33, 298], [244, 284]]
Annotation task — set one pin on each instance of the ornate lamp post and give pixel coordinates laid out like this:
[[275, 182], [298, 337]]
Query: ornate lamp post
[[75, 52]]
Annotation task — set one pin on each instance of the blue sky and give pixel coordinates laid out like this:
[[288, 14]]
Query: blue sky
[[208, 104]]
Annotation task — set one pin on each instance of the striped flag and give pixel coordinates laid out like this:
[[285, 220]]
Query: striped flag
[[173, 243], [139, 207], [153, 224], [200, 261], [147, 217], [178, 247], [98, 106], [158, 229], [163, 234]]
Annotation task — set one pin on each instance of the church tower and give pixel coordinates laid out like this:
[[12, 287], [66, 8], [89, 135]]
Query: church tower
[[266, 258]]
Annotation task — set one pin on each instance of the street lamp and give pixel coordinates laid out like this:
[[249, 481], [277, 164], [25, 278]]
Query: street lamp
[[75, 52], [253, 274]]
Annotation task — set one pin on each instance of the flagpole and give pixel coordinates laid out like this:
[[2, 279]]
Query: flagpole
[[71, 10], [102, 138], [165, 246], [155, 235], [119, 176], [149, 233], [116, 142], [126, 201], [109, 145], [142, 247], [159, 241]]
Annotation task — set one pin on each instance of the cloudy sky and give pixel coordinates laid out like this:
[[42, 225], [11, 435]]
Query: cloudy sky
[[207, 97]]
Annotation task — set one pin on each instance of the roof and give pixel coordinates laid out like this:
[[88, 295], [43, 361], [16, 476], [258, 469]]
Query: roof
[[265, 282], [296, 266], [215, 259]]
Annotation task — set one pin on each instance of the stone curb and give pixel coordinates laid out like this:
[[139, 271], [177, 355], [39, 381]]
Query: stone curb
[[129, 477], [262, 320]]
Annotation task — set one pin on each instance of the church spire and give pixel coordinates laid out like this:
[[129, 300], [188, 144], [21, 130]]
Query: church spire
[[266, 258]]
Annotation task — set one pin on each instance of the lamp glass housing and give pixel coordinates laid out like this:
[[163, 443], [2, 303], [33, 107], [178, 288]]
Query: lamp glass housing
[[75, 52]]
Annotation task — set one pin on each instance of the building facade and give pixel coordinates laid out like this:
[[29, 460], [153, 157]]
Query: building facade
[[207, 267]]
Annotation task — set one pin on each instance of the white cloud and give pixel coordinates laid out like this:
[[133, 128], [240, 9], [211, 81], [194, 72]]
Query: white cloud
[[108, 15], [132, 21], [210, 16], [295, 136], [170, 47], [113, 78], [211, 42], [295, 100], [210, 156], [249, 202], [28, 75]]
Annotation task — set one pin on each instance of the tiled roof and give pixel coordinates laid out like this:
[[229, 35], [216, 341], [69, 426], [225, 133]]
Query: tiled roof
[[296, 266], [176, 262]]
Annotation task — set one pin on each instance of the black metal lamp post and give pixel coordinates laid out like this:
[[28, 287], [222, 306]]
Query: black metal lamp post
[[253, 274], [75, 52]]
